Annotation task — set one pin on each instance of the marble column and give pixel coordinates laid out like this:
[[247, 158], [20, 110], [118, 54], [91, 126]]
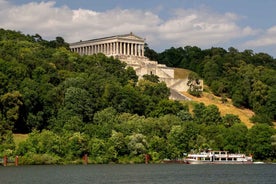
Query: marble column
[[124, 48], [105, 48], [128, 48], [113, 48], [121, 50], [131, 49], [135, 53], [117, 48], [139, 53]]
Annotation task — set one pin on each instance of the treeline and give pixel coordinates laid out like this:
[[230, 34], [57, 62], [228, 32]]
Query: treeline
[[73, 105], [248, 78]]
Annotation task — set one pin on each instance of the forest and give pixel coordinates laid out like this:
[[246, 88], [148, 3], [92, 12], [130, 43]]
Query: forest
[[72, 105]]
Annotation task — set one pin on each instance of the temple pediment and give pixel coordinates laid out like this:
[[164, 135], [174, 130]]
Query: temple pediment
[[130, 36]]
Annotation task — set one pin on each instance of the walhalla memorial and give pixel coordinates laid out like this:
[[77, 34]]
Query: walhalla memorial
[[129, 48]]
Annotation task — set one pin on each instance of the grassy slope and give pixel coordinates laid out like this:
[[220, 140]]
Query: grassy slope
[[226, 108], [208, 99], [180, 73]]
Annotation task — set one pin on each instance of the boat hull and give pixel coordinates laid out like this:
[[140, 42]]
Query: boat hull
[[216, 162], [218, 157]]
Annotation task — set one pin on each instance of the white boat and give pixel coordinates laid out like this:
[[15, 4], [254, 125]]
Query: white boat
[[218, 157]]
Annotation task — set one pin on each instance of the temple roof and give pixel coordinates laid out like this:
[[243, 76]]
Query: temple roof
[[129, 36]]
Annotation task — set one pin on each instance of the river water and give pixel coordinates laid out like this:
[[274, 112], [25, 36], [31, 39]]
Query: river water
[[140, 174]]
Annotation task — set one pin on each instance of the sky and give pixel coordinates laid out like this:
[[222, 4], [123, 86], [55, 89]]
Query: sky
[[242, 24]]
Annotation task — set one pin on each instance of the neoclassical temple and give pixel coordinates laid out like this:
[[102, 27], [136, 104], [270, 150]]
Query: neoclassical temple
[[120, 45], [129, 48]]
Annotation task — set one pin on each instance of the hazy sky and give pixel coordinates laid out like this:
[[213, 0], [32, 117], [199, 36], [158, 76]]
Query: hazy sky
[[243, 24]]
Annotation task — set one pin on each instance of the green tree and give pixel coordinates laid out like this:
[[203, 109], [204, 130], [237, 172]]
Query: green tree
[[258, 95], [76, 146], [171, 57], [185, 115], [97, 149], [230, 119], [259, 141], [12, 108], [7, 145], [178, 142], [270, 105], [78, 101], [194, 84], [235, 139], [158, 148], [150, 53], [151, 77], [166, 107], [117, 140], [105, 121], [211, 71], [273, 144], [198, 110], [214, 135], [137, 144], [211, 115]]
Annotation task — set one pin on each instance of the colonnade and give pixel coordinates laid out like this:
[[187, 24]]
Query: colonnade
[[110, 48]]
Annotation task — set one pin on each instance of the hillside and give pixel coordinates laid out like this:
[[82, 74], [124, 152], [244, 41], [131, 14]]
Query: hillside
[[225, 108], [208, 99], [61, 105], [246, 77]]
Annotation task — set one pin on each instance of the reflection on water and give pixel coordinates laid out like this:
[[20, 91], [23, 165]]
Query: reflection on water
[[140, 173]]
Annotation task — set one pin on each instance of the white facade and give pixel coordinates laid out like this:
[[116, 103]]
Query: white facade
[[126, 45]]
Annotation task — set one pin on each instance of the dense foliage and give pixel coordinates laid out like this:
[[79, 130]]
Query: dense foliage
[[73, 105], [247, 78]]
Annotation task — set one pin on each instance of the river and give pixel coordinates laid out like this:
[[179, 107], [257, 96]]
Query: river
[[139, 174]]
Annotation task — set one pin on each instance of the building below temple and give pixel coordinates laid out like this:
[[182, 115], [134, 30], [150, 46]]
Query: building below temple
[[129, 48]]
